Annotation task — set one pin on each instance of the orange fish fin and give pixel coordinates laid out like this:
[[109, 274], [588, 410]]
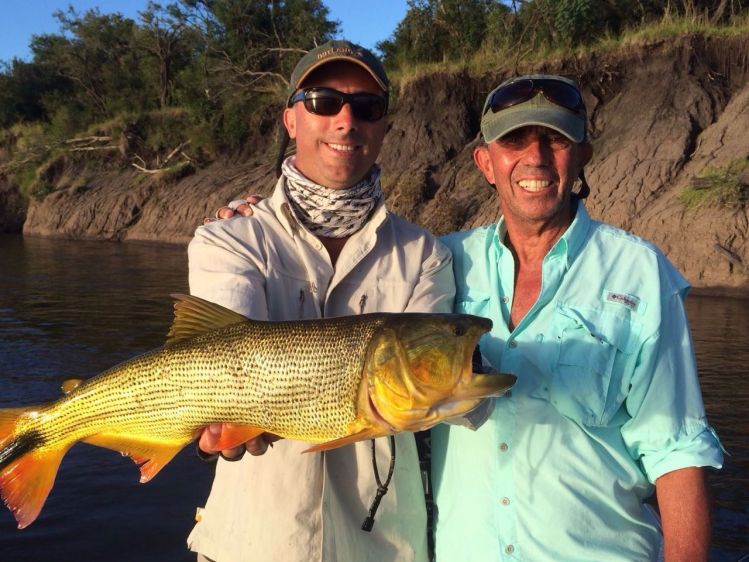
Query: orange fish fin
[[26, 472], [368, 433], [234, 435], [150, 456], [70, 385], [194, 316]]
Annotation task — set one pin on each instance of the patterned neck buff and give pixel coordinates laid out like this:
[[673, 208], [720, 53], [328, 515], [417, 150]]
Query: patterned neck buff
[[333, 213]]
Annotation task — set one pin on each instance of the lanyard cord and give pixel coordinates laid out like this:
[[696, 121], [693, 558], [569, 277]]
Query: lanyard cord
[[381, 488]]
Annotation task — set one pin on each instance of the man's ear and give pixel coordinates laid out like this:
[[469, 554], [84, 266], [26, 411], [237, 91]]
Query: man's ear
[[585, 150], [483, 162], [289, 121]]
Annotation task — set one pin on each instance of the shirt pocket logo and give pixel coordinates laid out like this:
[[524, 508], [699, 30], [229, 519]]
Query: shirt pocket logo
[[593, 368]]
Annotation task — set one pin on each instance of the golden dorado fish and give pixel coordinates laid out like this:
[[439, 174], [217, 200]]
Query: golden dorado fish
[[329, 382]]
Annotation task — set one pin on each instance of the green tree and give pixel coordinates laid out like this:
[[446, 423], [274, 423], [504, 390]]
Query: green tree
[[23, 88], [438, 30], [96, 53], [254, 44], [167, 39]]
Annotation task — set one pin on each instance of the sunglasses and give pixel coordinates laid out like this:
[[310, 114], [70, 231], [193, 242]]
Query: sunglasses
[[557, 92], [327, 101]]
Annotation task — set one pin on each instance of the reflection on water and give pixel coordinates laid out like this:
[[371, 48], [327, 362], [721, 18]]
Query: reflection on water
[[72, 309], [720, 327]]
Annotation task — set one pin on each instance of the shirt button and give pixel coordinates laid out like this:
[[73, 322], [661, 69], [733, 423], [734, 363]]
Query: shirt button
[[513, 344], [509, 549], [503, 447], [505, 299], [505, 501]]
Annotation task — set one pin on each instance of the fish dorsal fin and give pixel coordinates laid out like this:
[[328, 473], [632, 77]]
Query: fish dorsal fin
[[194, 316], [70, 385]]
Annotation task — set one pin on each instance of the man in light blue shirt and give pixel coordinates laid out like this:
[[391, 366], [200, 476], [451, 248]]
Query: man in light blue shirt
[[607, 407]]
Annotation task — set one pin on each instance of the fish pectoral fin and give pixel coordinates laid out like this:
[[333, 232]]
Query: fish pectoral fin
[[368, 433], [150, 456], [26, 481], [235, 435]]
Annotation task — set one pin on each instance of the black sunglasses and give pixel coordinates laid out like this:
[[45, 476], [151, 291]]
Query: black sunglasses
[[327, 101], [556, 91]]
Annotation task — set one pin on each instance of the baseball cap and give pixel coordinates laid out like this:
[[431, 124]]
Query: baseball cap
[[338, 50], [535, 99]]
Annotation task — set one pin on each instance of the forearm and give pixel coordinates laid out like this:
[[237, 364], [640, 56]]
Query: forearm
[[685, 514]]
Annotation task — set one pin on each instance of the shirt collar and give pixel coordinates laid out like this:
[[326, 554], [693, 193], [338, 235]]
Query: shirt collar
[[568, 245]]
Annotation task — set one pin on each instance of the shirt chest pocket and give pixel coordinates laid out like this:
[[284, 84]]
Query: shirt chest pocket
[[594, 363], [478, 306]]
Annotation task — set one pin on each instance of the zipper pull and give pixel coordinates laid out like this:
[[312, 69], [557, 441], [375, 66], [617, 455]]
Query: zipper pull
[[362, 303]]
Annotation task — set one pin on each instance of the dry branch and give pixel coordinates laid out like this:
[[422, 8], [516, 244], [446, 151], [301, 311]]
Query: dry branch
[[732, 257]]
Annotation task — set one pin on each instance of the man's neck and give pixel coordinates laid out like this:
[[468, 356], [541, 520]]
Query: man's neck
[[529, 245], [334, 246]]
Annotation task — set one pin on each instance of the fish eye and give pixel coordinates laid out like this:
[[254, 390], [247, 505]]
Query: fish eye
[[460, 330]]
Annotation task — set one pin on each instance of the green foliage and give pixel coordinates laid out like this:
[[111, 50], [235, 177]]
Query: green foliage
[[438, 30], [199, 75], [485, 32], [719, 185]]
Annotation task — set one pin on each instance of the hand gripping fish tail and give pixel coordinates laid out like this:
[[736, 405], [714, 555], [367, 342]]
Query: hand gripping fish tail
[[373, 374]]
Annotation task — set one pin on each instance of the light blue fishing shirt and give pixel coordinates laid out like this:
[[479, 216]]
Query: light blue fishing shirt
[[606, 401]]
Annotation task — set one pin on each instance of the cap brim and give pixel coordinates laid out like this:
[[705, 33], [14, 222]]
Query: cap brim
[[533, 112]]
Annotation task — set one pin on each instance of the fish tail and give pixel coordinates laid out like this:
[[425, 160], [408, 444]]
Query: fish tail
[[27, 468]]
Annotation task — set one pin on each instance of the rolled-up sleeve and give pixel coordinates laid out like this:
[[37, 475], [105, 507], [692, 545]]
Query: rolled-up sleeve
[[226, 266], [668, 429]]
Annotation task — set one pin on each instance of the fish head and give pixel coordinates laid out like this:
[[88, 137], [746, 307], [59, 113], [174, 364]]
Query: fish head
[[420, 370]]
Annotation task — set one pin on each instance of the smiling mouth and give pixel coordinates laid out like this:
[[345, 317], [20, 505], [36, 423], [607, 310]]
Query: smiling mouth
[[344, 148], [534, 185]]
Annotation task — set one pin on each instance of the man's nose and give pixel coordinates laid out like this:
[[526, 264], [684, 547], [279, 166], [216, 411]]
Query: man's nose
[[345, 119], [537, 150]]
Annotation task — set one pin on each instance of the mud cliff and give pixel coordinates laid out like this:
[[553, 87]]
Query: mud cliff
[[661, 115]]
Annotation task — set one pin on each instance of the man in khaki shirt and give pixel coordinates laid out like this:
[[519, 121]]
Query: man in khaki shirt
[[322, 245]]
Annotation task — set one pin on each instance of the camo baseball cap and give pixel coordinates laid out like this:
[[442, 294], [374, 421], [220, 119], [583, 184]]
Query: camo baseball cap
[[338, 50]]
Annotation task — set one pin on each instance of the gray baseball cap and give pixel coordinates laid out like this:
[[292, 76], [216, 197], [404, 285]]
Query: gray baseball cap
[[535, 99], [338, 51]]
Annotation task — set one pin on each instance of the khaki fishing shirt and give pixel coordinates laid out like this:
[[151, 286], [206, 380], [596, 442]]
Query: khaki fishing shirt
[[284, 505]]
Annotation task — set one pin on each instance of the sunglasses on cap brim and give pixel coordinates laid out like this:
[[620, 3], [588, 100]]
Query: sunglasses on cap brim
[[327, 102], [557, 92]]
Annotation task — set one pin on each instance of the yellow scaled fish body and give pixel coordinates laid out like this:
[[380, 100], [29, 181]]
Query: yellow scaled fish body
[[329, 382]]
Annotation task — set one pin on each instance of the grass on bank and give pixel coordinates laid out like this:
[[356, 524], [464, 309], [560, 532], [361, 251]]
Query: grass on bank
[[506, 56], [721, 185]]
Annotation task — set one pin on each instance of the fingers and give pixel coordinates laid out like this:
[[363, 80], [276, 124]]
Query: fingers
[[260, 444], [209, 438], [257, 446], [225, 213], [208, 443], [241, 207], [244, 209]]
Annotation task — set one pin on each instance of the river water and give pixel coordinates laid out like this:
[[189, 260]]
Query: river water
[[70, 309]]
